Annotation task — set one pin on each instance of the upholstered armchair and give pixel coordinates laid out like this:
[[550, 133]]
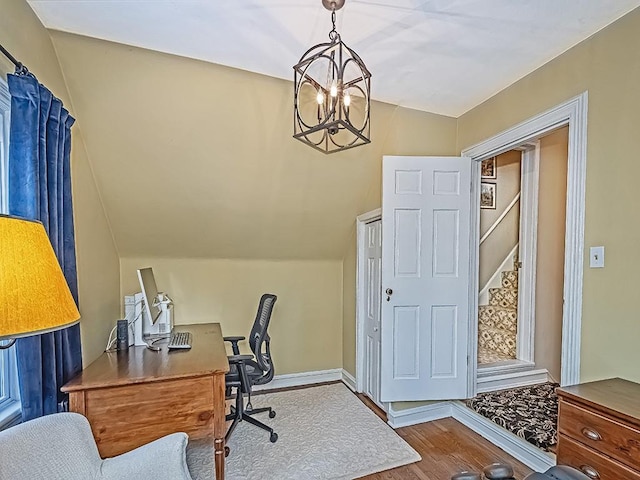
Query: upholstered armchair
[[502, 471], [61, 447]]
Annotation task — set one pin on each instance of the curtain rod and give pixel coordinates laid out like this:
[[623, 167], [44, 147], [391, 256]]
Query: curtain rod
[[20, 68]]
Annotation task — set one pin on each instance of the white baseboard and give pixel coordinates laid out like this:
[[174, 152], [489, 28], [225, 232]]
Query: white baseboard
[[512, 380], [422, 414], [303, 378], [348, 380], [515, 446]]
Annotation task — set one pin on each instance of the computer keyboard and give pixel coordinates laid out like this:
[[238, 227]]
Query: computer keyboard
[[179, 340]]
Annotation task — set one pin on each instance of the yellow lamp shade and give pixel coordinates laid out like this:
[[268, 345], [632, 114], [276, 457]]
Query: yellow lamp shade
[[34, 295]]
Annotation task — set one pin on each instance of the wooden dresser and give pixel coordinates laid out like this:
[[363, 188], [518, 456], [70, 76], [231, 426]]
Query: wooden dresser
[[599, 429]]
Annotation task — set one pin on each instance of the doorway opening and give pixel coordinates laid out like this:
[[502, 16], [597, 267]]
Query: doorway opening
[[572, 116], [521, 260]]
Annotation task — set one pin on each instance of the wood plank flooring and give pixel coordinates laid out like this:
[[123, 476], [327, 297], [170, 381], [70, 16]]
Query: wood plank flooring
[[446, 447]]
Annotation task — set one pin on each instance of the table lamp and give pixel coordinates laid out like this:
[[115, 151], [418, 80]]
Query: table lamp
[[34, 295]]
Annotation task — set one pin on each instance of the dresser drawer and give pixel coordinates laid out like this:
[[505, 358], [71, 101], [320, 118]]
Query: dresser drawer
[[591, 463], [602, 434]]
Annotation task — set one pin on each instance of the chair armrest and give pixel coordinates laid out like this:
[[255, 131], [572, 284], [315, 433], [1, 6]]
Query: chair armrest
[[233, 339], [162, 459], [239, 358], [241, 362], [234, 343]]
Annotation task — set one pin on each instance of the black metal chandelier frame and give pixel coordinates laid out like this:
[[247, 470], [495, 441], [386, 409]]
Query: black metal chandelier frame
[[332, 115]]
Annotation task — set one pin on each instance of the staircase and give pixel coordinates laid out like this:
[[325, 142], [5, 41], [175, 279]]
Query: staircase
[[498, 321]]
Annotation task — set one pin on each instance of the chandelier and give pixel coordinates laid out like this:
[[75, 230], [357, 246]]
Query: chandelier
[[331, 96]]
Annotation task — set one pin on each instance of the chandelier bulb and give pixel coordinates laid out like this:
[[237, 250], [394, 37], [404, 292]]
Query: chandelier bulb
[[347, 99], [320, 97], [334, 89]]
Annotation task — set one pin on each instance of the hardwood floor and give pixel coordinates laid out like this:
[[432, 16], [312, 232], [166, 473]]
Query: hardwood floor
[[446, 447]]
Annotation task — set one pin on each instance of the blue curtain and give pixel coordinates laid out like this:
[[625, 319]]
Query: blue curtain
[[40, 188]]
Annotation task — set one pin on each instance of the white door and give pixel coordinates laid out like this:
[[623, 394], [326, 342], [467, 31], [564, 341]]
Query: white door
[[425, 278], [372, 267]]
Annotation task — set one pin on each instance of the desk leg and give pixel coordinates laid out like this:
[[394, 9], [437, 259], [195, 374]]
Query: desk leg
[[219, 453], [219, 424]]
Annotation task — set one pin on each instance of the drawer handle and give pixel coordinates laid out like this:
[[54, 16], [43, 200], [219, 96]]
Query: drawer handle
[[590, 472], [591, 434]]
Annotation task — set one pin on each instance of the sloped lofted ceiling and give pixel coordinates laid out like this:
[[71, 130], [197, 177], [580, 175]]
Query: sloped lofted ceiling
[[195, 159], [440, 56]]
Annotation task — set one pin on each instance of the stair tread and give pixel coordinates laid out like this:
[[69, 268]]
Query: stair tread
[[497, 308], [499, 330], [498, 340], [498, 321], [486, 355]]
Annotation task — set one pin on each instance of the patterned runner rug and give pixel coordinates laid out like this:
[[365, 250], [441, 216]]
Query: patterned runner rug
[[324, 432], [529, 412]]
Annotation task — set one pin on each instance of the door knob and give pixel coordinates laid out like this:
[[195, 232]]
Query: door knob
[[389, 292]]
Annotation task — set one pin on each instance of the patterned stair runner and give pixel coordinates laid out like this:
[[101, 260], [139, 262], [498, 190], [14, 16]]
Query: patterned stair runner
[[498, 321]]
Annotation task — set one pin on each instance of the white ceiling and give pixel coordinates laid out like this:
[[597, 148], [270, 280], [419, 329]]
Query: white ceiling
[[441, 56]]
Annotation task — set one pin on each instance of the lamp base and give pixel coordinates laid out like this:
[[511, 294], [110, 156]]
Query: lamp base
[[332, 5]]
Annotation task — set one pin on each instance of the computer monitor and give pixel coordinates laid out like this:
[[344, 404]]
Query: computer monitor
[[149, 294]]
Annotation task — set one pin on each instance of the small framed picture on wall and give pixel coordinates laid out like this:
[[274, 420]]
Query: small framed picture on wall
[[488, 169], [488, 195]]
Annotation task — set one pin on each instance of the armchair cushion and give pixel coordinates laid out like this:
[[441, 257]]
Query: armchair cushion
[[559, 472], [61, 447], [163, 458]]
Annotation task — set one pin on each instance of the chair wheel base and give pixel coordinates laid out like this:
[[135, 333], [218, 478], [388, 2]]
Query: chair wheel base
[[272, 414], [274, 437]]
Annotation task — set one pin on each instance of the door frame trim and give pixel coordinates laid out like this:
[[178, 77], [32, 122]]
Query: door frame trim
[[361, 222], [528, 247], [572, 113]]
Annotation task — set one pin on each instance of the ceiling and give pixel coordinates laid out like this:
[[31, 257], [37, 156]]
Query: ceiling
[[440, 56]]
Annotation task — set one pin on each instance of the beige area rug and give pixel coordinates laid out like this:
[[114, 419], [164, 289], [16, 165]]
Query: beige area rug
[[323, 432]]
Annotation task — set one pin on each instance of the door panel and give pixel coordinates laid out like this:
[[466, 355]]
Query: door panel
[[406, 324], [425, 278]]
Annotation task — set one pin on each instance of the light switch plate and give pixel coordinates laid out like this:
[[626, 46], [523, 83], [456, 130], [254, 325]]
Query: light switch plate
[[596, 257]]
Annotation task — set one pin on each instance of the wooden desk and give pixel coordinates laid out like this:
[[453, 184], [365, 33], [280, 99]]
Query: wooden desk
[[136, 396]]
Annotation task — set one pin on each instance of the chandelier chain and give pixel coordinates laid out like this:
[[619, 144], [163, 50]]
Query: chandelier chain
[[333, 34]]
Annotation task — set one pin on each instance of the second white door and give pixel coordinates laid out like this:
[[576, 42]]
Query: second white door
[[372, 267]]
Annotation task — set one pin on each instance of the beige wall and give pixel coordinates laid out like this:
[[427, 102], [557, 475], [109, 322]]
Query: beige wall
[[550, 253], [306, 325], [197, 160], [98, 269], [191, 173], [349, 264], [502, 240], [608, 66]]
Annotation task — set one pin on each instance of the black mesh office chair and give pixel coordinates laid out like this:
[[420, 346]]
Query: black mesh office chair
[[245, 372]]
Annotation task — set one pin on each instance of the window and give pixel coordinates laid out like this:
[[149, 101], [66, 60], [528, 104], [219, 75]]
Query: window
[[9, 396]]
